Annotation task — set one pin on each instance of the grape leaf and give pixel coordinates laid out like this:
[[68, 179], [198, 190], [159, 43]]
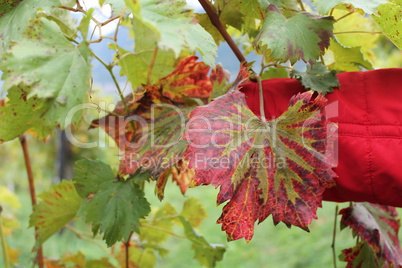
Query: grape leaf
[[354, 22], [21, 114], [58, 206], [206, 254], [113, 206], [170, 23], [368, 7], [162, 219], [378, 226], [275, 73], [276, 167], [136, 65], [361, 255], [7, 5], [251, 11], [54, 69], [317, 77], [302, 36], [194, 211], [14, 22], [390, 20], [347, 59], [188, 80], [159, 113]]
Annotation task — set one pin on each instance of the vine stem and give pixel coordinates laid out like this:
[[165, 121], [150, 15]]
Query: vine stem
[[4, 243], [127, 249], [301, 5], [219, 26], [28, 167], [334, 235], [261, 96]]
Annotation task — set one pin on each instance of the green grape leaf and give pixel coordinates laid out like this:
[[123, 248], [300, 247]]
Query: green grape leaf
[[153, 228], [91, 174], [52, 68], [355, 22], [251, 11], [368, 7], [390, 20], [200, 40], [7, 5], [58, 206], [275, 73], [347, 59], [280, 167], [14, 22], [21, 114], [116, 207], [378, 226], [303, 36], [170, 23], [194, 211], [206, 23], [317, 77], [361, 255], [206, 254], [136, 65]]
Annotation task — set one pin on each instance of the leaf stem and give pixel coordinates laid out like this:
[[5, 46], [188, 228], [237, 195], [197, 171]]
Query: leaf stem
[[301, 5], [214, 18], [163, 230], [344, 16], [261, 96], [151, 65], [28, 167], [109, 68], [364, 32], [4, 243], [127, 250], [334, 236]]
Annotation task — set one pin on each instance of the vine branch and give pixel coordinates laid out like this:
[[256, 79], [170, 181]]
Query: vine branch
[[214, 18], [28, 167], [127, 250]]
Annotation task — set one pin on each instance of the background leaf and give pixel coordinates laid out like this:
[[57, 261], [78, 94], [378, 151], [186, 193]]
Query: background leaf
[[390, 20], [378, 226], [57, 208], [302, 36]]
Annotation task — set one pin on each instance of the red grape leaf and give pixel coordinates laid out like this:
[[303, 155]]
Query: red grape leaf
[[280, 167], [360, 256], [378, 226], [158, 114], [188, 80]]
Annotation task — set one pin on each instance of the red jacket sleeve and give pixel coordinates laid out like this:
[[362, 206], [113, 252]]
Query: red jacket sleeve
[[368, 109]]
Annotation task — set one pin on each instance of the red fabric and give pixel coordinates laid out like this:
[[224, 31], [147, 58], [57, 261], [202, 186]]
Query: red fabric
[[368, 110]]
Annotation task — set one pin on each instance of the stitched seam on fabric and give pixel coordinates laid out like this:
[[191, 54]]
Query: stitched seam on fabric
[[369, 149]]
